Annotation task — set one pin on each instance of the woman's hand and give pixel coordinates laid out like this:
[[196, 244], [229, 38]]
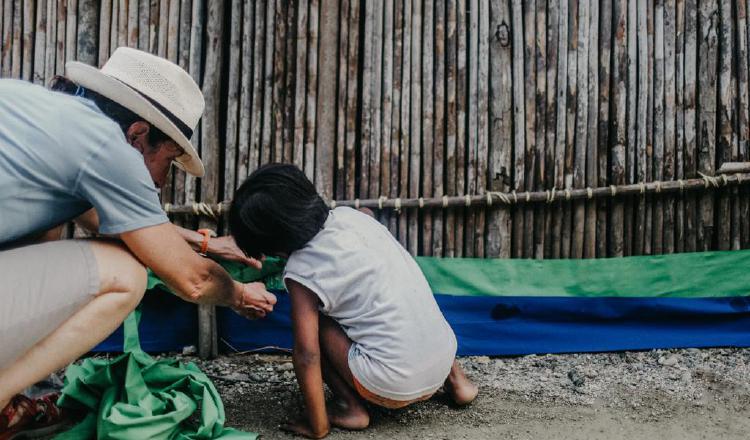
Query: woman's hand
[[300, 426], [225, 248]]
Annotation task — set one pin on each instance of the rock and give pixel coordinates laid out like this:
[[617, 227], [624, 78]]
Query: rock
[[255, 377], [591, 373], [237, 376], [483, 360], [286, 366], [189, 350], [669, 361], [576, 378]]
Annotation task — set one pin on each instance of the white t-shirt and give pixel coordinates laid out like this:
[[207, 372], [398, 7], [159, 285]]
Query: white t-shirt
[[366, 281]]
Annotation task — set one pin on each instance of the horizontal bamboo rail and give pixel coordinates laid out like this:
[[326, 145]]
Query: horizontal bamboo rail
[[216, 210]]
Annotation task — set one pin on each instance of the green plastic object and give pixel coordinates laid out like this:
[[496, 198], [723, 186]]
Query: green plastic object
[[270, 275], [134, 396]]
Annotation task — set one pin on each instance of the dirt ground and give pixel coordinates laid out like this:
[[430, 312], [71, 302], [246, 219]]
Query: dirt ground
[[676, 394]]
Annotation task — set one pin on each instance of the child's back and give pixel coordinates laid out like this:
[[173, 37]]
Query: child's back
[[402, 347]]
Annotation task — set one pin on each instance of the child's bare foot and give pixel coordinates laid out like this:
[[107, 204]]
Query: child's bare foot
[[459, 387], [348, 415]]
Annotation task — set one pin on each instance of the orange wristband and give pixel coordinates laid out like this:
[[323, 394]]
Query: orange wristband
[[207, 234]]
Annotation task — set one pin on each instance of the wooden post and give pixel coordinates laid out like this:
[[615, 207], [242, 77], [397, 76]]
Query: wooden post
[[278, 93], [415, 152], [582, 116], [707, 76], [233, 110], [679, 233], [266, 133], [88, 31], [343, 69], [438, 173], [428, 120], [7, 38], [529, 122], [326, 115], [387, 108], [570, 127], [562, 81], [590, 232], [658, 225], [670, 120], [743, 113], [105, 17], [540, 156], [641, 125], [724, 147], [28, 39], [17, 43], [483, 115], [553, 32], [196, 50], [450, 122], [246, 90], [133, 24], [207, 336], [258, 88], [619, 95], [352, 65], [40, 41], [312, 88], [395, 135], [404, 134], [471, 132], [604, 51], [519, 138], [501, 143], [299, 85]]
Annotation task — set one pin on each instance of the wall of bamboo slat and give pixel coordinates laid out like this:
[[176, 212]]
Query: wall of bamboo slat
[[425, 98]]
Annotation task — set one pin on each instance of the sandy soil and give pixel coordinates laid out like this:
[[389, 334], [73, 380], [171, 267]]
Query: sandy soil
[[678, 394]]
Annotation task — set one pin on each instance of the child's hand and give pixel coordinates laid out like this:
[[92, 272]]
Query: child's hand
[[256, 301], [300, 426]]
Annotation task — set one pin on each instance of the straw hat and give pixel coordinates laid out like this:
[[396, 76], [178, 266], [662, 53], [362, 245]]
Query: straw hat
[[159, 91]]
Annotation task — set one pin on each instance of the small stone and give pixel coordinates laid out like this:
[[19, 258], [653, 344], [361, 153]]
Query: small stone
[[591, 373], [237, 376], [255, 377], [668, 361], [484, 360], [189, 350], [286, 366], [576, 378]]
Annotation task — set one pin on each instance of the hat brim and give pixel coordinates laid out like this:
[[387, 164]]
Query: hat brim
[[119, 92]]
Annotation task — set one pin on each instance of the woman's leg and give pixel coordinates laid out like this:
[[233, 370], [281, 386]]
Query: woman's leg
[[347, 410], [122, 282]]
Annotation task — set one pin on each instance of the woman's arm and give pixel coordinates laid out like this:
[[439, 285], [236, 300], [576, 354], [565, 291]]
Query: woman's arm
[[306, 357]]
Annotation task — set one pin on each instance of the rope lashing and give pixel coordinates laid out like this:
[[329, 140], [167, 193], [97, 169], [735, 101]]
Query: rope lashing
[[489, 199], [421, 202], [381, 199], [658, 187], [567, 193], [528, 196], [551, 195], [590, 192], [445, 201], [613, 189], [724, 179], [682, 185], [468, 200], [515, 196], [708, 180], [642, 187], [201, 208], [397, 205]]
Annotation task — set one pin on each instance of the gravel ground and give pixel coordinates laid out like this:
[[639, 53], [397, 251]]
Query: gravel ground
[[668, 394]]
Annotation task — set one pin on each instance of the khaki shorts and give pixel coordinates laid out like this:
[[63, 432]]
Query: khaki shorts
[[41, 286], [384, 401]]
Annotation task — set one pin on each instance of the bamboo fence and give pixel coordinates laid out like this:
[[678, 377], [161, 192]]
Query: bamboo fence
[[395, 104]]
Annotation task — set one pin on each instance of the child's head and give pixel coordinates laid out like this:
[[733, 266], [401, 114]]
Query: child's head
[[276, 211]]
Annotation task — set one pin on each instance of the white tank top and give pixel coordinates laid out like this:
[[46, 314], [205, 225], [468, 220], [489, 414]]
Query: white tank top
[[366, 281]]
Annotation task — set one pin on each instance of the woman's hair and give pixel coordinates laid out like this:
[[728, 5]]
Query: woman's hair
[[122, 116], [276, 210]]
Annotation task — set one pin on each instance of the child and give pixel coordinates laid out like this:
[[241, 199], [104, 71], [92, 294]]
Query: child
[[364, 318]]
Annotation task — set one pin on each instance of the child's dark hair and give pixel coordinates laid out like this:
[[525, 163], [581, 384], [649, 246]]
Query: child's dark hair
[[276, 210]]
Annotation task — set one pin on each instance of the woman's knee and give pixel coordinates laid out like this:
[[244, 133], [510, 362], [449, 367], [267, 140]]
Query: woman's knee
[[119, 271]]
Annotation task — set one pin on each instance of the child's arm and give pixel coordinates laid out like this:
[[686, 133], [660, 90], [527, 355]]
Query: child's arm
[[306, 357]]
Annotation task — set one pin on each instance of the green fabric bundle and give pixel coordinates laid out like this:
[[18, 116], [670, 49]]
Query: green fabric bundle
[[134, 396]]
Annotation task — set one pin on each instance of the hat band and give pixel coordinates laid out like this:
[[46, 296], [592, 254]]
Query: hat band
[[183, 127]]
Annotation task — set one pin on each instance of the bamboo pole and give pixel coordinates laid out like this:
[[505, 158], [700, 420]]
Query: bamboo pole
[[258, 88], [278, 92], [88, 32], [144, 16], [398, 45], [707, 76], [207, 333], [553, 32], [376, 112], [743, 113], [519, 138], [17, 44], [630, 112], [659, 118], [197, 21], [51, 47], [387, 107], [326, 114], [529, 122], [438, 171], [725, 134], [133, 25], [299, 85], [40, 41], [7, 38], [105, 22], [670, 121], [540, 124], [501, 143], [428, 120], [581, 121], [680, 121], [562, 81], [289, 77], [404, 133], [451, 121], [368, 71], [619, 125], [471, 126], [590, 232], [122, 23], [153, 25], [415, 151], [341, 101], [703, 184], [183, 60], [246, 90], [62, 13], [28, 39], [649, 201], [641, 125], [312, 88], [163, 27], [602, 149], [351, 98], [268, 81], [233, 110], [570, 118], [483, 127]]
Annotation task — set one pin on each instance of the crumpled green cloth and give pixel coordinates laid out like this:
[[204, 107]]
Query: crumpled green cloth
[[134, 396]]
